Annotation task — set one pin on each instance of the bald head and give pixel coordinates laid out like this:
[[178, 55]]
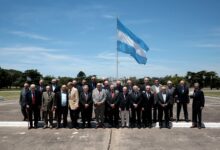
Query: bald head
[[26, 85], [125, 89], [64, 88], [32, 87], [182, 82]]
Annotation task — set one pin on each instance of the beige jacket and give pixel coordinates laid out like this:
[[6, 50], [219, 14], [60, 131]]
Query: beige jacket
[[73, 99]]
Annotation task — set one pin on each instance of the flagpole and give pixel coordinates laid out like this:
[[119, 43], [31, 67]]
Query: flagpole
[[116, 52]]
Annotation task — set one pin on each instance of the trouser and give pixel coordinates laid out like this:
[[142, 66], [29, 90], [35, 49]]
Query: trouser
[[86, 115], [170, 111], [147, 116], [33, 110], [74, 116], [155, 112], [113, 116], [184, 105], [99, 113], [48, 113], [24, 112], [106, 116], [164, 110], [125, 118], [62, 112], [136, 115], [197, 112]]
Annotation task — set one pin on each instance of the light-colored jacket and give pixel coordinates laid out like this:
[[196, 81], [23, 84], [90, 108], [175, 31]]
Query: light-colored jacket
[[99, 97], [73, 99], [48, 101]]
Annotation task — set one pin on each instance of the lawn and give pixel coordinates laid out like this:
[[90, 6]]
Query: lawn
[[10, 95], [213, 94]]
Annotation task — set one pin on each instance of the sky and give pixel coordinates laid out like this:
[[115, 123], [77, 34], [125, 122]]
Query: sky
[[63, 37]]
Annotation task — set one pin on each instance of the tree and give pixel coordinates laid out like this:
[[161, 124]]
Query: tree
[[81, 74], [31, 76]]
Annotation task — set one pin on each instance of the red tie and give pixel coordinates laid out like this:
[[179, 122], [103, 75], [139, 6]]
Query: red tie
[[33, 98]]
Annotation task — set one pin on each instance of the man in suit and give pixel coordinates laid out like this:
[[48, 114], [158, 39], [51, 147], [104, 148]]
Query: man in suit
[[129, 86], [118, 86], [73, 104], [146, 83], [182, 95], [155, 90], [22, 101], [197, 106], [48, 99], [136, 107], [99, 98], [171, 91], [112, 106], [86, 106], [147, 105], [106, 87], [61, 106], [41, 88], [33, 104], [163, 106], [54, 86], [92, 84], [80, 88], [124, 107]]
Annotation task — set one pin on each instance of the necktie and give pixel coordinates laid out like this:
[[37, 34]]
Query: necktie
[[86, 95], [113, 94], [33, 98]]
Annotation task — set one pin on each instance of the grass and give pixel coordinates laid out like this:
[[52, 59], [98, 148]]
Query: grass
[[10, 95], [213, 94]]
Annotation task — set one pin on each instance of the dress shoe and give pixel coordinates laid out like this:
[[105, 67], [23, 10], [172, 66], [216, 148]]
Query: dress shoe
[[45, 126]]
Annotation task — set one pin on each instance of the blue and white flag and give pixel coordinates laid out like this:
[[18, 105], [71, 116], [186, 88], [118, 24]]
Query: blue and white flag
[[130, 44]]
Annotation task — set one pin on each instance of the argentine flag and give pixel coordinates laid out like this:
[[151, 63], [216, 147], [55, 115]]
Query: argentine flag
[[130, 44]]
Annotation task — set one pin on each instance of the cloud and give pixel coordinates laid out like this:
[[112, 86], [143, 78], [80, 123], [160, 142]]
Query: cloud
[[30, 35], [107, 16], [208, 45]]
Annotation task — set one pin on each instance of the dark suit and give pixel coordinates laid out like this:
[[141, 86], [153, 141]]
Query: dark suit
[[61, 110], [22, 102], [163, 109], [124, 105], [86, 112], [113, 113], [135, 99], [147, 104], [33, 100], [171, 91], [55, 88], [198, 102], [92, 86], [183, 97]]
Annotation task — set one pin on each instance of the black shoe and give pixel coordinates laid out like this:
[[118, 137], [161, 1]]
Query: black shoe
[[30, 127]]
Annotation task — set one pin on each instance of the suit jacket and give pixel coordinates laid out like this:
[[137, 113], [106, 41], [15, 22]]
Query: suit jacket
[[22, 100], [92, 86], [124, 101], [57, 88], [83, 101], [48, 101], [99, 97], [29, 98], [112, 100], [161, 100], [171, 91], [198, 98], [135, 99], [147, 102], [183, 94], [41, 89], [73, 98], [58, 99], [119, 88]]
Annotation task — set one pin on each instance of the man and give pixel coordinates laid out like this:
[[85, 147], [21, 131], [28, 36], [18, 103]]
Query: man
[[147, 105], [129, 86], [22, 101], [33, 102], [118, 86], [54, 86], [92, 84], [80, 88], [48, 99], [182, 95], [86, 106], [197, 106], [124, 107], [163, 106], [135, 107], [112, 106], [146, 83], [41, 89], [73, 104], [99, 97], [155, 89], [171, 91], [61, 106], [106, 87]]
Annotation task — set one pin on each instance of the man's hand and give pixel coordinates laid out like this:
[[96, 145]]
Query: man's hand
[[119, 109], [86, 105], [27, 106], [113, 105], [142, 108]]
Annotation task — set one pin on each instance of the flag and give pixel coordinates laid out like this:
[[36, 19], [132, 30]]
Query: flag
[[129, 43]]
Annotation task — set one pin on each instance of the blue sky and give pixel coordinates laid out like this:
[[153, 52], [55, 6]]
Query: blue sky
[[61, 38]]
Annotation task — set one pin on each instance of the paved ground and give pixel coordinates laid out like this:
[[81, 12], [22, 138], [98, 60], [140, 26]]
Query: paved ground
[[113, 139], [20, 138]]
